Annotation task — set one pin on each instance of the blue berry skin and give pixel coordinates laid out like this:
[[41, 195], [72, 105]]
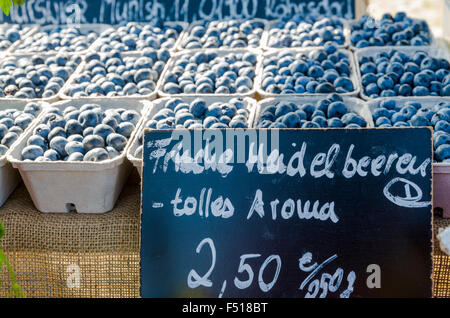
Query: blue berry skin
[[3, 131], [75, 156], [3, 150], [103, 131], [58, 144], [96, 155], [440, 139], [112, 152], [74, 147], [116, 141], [130, 116], [9, 139], [125, 129], [73, 126], [88, 131], [93, 141], [336, 109], [32, 152], [442, 152], [89, 118], [56, 132], [37, 140], [198, 107], [51, 155]]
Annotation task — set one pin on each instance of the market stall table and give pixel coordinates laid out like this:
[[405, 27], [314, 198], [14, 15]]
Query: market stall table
[[45, 249]]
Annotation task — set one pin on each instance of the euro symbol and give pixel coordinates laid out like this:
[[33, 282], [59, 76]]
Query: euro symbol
[[408, 201]]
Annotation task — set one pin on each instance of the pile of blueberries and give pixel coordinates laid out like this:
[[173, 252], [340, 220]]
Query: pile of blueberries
[[306, 33], [13, 122], [209, 72], [81, 134], [390, 113], [136, 37], [395, 73], [226, 34], [328, 112], [318, 71], [68, 39], [113, 74], [389, 30], [35, 76], [11, 34], [178, 114]]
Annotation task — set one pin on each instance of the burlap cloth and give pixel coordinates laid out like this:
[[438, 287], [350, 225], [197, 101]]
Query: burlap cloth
[[41, 247]]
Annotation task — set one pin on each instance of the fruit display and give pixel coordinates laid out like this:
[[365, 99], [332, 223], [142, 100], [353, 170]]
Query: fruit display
[[397, 73], [331, 112], [87, 133], [13, 122], [317, 71], [116, 74], [392, 113], [297, 33], [208, 72], [10, 34], [61, 39], [35, 76], [398, 30], [224, 34], [197, 114], [137, 36]]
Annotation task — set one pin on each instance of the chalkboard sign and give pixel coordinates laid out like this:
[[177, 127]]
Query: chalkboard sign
[[287, 213], [120, 11]]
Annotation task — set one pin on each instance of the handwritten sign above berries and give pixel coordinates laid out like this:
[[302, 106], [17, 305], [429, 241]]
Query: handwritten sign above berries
[[286, 213], [119, 11]]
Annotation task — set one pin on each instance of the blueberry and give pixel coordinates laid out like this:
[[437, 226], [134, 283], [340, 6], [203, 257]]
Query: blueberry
[[58, 144], [335, 122], [76, 137], [442, 152], [336, 109], [52, 155], [116, 141], [75, 156], [442, 126], [130, 116], [32, 152], [96, 155], [125, 129], [103, 130], [37, 140], [198, 107], [89, 118], [73, 127], [74, 147], [440, 139]]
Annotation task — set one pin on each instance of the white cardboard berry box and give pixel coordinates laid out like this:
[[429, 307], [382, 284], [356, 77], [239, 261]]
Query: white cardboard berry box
[[185, 25], [262, 40], [265, 41], [9, 177], [84, 187], [441, 170], [353, 104], [409, 51], [260, 69], [221, 52], [158, 104], [84, 28], [80, 69]]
